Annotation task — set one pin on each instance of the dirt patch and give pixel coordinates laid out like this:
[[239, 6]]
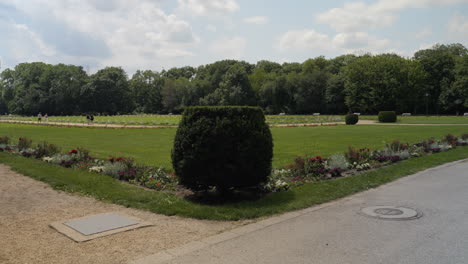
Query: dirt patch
[[27, 207]]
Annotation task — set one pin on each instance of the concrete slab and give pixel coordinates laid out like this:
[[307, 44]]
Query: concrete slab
[[100, 223], [95, 226]]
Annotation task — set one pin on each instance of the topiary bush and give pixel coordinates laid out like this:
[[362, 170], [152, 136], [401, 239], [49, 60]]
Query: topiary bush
[[387, 116], [351, 119], [223, 147]]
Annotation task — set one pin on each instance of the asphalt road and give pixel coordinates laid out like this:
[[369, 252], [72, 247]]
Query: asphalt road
[[340, 234]]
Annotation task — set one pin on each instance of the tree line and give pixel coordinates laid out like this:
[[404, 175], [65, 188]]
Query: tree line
[[434, 80]]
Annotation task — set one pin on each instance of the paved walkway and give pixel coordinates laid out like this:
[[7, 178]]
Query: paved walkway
[[338, 233]]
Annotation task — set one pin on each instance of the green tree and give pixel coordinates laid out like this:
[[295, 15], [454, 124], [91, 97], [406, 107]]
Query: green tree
[[274, 96], [146, 87], [65, 87], [454, 98], [7, 80], [186, 72], [107, 92], [439, 63], [31, 88], [235, 89], [175, 93]]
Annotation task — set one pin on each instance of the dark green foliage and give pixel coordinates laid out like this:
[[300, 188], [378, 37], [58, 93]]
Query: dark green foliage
[[24, 143], [351, 119], [5, 140], [44, 149], [387, 117], [223, 147]]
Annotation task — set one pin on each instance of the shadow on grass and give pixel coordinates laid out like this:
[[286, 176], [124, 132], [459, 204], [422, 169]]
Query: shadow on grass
[[214, 197]]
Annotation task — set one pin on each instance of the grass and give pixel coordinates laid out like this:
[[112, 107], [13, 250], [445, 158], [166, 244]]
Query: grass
[[108, 189], [153, 146], [426, 119]]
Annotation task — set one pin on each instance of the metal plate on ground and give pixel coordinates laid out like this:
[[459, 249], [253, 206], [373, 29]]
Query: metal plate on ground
[[391, 212], [100, 223], [95, 226]]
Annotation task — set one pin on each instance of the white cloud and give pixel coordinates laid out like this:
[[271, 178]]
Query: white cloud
[[457, 29], [229, 47], [303, 39], [356, 16], [211, 28], [358, 42], [208, 7], [258, 20], [32, 40], [173, 53], [424, 33], [355, 42], [133, 33]]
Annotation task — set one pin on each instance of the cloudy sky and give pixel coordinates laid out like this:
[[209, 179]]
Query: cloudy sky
[[157, 34]]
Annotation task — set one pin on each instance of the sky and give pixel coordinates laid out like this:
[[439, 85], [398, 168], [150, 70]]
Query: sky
[[161, 34]]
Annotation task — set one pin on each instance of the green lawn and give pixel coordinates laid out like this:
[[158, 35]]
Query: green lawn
[[426, 119], [153, 146]]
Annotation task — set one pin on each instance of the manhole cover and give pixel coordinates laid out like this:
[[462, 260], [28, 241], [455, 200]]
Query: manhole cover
[[391, 212]]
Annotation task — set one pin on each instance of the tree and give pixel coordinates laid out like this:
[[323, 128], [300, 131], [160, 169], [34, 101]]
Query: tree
[[439, 62], [382, 82], [107, 92], [31, 88], [146, 87], [186, 72], [455, 97], [176, 94], [7, 88], [335, 94], [65, 87], [235, 89], [274, 96]]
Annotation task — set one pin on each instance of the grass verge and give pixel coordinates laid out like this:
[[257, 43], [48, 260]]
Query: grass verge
[[110, 190]]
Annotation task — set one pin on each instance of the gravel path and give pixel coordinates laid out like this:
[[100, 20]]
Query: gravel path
[[361, 122], [27, 207]]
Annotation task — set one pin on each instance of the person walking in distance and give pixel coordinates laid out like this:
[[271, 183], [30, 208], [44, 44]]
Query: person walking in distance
[[46, 118], [39, 117]]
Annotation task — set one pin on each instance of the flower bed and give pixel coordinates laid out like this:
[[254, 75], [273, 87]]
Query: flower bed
[[120, 168], [301, 170], [306, 169]]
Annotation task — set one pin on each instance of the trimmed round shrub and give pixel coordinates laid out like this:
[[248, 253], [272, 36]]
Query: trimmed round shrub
[[351, 119], [387, 116], [223, 147]]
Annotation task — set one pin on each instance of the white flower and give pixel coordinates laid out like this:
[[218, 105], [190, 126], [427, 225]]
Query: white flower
[[96, 169], [47, 159]]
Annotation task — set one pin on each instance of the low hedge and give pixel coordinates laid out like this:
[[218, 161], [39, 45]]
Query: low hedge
[[351, 119], [387, 116], [223, 147]]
